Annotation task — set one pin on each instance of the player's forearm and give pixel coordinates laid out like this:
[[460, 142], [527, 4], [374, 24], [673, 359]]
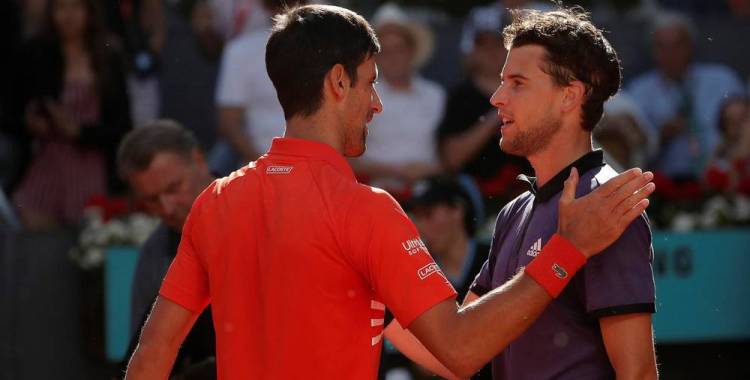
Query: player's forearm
[[413, 349], [466, 339], [150, 361], [643, 372]]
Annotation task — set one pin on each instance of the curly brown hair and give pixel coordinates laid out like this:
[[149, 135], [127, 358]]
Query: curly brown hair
[[575, 50]]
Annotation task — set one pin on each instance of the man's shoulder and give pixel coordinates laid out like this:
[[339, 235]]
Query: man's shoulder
[[596, 177], [229, 186], [373, 199], [512, 208]]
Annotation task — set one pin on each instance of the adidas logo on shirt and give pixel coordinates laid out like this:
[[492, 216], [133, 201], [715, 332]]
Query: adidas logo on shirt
[[535, 248]]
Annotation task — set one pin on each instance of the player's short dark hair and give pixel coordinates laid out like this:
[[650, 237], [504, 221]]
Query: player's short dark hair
[[305, 43], [141, 145], [576, 50]]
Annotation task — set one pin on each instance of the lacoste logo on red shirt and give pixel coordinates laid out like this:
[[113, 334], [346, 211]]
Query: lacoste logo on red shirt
[[427, 270], [279, 169]]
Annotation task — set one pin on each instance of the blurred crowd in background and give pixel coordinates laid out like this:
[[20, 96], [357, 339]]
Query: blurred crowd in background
[[78, 75]]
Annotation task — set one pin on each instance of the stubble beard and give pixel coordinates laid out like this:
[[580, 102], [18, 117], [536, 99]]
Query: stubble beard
[[531, 140]]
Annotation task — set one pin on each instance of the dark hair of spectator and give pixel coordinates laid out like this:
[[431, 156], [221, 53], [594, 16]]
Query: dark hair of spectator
[[141, 145], [576, 50], [305, 43], [95, 36]]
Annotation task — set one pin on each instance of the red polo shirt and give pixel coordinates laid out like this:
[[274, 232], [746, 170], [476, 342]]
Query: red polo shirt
[[298, 261]]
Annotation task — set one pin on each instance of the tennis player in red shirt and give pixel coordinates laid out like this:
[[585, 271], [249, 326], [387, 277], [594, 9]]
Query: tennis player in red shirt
[[299, 261]]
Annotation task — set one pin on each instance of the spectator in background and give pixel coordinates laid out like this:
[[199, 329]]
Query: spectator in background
[[188, 68], [71, 107], [729, 169], [141, 25], [624, 133], [249, 112], [236, 17], [401, 142], [469, 134], [32, 17], [681, 99], [447, 217], [166, 169]]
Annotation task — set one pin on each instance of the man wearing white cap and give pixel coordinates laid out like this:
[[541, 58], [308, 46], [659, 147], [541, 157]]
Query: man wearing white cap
[[401, 146]]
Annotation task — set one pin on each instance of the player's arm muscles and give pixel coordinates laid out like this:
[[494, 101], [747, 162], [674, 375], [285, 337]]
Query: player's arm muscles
[[629, 342], [160, 340], [410, 346], [466, 339]]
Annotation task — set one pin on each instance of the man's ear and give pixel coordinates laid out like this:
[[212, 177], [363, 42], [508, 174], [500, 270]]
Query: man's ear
[[574, 95], [337, 82]]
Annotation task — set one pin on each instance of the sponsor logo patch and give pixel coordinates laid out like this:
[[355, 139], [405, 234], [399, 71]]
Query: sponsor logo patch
[[414, 246], [427, 270], [279, 169], [560, 272], [535, 248]]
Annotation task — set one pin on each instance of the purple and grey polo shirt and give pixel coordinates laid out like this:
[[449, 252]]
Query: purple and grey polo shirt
[[566, 342]]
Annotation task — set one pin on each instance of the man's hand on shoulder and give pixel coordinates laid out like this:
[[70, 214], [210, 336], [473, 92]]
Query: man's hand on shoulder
[[594, 221]]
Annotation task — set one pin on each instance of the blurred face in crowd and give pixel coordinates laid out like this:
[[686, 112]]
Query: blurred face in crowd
[[396, 57], [488, 55], [438, 225], [673, 51], [528, 102], [735, 117], [70, 18], [361, 104], [170, 184]]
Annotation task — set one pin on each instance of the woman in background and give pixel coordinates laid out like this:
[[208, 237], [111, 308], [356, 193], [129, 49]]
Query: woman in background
[[71, 108]]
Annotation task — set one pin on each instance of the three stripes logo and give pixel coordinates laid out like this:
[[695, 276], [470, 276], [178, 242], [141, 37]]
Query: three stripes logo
[[535, 248]]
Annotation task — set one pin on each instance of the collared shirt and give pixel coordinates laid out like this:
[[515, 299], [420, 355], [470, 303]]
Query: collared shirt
[[566, 342], [299, 261]]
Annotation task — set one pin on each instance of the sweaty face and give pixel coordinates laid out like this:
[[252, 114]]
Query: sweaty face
[[527, 102], [361, 105], [70, 18], [169, 186]]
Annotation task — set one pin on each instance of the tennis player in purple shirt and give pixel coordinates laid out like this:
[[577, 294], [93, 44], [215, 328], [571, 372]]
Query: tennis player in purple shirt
[[559, 71]]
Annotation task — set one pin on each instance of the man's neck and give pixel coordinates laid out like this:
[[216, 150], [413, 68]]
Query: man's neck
[[562, 151], [314, 128]]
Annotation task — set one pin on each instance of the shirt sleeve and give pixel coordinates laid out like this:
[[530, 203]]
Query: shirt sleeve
[[620, 279], [230, 88], [483, 281], [186, 282], [388, 252]]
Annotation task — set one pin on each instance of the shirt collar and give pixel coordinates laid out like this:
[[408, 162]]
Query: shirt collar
[[286, 146], [588, 161]]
